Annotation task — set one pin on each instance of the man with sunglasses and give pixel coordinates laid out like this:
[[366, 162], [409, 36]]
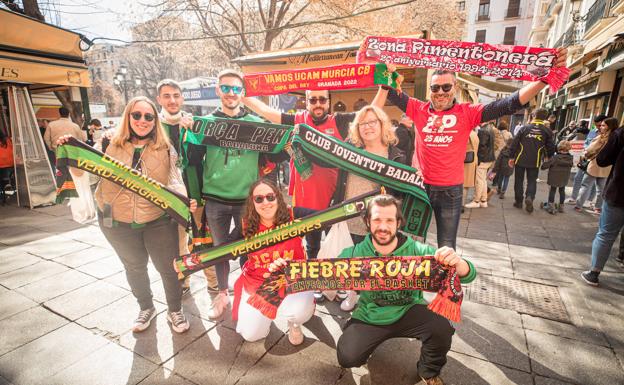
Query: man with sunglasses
[[315, 192], [169, 97], [226, 178], [442, 126]]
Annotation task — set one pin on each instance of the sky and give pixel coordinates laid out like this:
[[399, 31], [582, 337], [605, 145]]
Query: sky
[[93, 18]]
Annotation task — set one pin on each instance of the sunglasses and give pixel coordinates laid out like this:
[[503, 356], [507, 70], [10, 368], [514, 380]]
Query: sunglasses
[[260, 198], [321, 100], [445, 87], [236, 90], [147, 116]]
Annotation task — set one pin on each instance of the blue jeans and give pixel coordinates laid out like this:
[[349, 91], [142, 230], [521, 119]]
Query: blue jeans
[[503, 182], [609, 226], [576, 187], [531, 188], [446, 202], [219, 217], [589, 183]]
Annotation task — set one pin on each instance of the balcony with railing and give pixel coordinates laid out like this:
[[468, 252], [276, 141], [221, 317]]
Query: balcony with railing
[[598, 11], [485, 17], [570, 37]]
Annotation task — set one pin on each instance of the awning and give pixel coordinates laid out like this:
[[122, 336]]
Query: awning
[[31, 69], [35, 52]]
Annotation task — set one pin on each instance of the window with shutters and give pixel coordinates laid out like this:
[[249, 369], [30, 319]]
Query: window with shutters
[[484, 10], [480, 37], [510, 36], [513, 8]]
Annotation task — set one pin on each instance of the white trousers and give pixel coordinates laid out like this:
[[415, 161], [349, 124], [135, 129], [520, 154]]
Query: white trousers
[[252, 325]]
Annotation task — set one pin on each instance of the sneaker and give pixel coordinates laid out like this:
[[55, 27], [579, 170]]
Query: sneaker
[[597, 211], [472, 205], [517, 205], [342, 294], [436, 380], [570, 201], [483, 204], [318, 296], [295, 335], [590, 277], [588, 205], [550, 209], [349, 303], [218, 306], [143, 320], [578, 209], [560, 208], [501, 195], [528, 205], [178, 321]]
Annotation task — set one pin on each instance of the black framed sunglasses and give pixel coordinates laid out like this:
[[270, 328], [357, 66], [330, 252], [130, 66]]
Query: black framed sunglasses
[[445, 87], [260, 198], [321, 100], [147, 116]]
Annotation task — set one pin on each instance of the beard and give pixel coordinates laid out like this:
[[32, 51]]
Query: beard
[[391, 238]]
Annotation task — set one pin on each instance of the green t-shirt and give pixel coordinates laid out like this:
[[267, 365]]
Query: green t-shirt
[[387, 307], [228, 173]]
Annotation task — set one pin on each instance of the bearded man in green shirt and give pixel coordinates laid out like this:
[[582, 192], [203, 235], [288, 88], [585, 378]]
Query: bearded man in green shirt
[[381, 315]]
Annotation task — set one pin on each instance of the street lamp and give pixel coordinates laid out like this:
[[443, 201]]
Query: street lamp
[[123, 80]]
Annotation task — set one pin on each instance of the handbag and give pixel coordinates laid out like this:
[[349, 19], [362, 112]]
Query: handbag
[[470, 157], [582, 164], [338, 238]]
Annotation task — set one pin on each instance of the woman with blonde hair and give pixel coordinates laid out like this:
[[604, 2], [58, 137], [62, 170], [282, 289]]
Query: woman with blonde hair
[[136, 228], [371, 130]]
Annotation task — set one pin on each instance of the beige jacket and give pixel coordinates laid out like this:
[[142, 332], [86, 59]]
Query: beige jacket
[[128, 207], [470, 169], [592, 151], [58, 128]]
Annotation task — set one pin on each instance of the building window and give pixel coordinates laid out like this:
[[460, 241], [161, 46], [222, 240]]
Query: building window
[[513, 8], [480, 37], [484, 10], [461, 6], [510, 36]]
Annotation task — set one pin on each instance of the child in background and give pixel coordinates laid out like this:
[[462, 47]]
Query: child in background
[[502, 169], [559, 169]]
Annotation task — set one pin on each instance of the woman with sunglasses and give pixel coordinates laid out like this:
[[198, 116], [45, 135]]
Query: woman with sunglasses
[[265, 209], [136, 228], [371, 130]]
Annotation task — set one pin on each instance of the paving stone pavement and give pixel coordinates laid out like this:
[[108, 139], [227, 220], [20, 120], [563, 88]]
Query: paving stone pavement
[[66, 314]]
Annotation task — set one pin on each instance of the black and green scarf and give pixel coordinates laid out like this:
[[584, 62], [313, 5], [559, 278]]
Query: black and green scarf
[[188, 264], [416, 207], [84, 157]]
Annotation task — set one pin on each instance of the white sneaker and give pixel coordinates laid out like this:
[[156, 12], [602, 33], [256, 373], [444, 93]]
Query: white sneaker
[[143, 320], [349, 303], [218, 306], [178, 321], [473, 205], [295, 335], [483, 204]]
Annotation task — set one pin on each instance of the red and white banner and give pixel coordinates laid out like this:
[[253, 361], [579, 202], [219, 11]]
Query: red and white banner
[[503, 61]]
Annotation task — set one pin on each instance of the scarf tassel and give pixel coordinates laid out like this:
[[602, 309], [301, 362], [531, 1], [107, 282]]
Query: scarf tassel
[[446, 308], [267, 309], [556, 78]]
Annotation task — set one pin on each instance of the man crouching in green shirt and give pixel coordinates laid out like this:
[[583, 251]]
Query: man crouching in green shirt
[[381, 315]]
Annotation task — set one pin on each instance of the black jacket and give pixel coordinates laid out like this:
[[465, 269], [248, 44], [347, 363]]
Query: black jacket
[[406, 138], [531, 145], [485, 153], [559, 168], [612, 154], [394, 154]]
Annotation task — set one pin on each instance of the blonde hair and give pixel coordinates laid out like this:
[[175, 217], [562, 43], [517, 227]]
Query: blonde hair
[[564, 146], [387, 134], [160, 139]]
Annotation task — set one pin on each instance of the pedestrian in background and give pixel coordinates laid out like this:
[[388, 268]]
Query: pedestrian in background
[[502, 170], [485, 160], [559, 169]]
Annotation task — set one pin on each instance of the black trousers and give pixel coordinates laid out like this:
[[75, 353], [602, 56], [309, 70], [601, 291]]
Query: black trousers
[[553, 191], [158, 240], [360, 339], [531, 189]]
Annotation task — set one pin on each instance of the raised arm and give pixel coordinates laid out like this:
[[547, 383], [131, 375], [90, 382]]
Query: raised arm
[[262, 109]]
